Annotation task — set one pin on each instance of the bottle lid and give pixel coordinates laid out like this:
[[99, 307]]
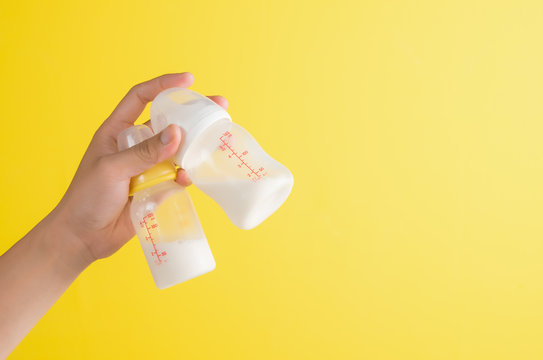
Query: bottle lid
[[191, 111], [160, 172]]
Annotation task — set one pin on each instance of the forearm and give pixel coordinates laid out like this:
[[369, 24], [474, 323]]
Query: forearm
[[34, 273]]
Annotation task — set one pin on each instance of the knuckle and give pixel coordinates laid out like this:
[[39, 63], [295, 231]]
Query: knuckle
[[145, 152], [135, 88], [99, 133], [138, 91]]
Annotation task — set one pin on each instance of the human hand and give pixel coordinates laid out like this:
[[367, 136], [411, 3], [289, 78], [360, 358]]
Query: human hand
[[92, 219], [95, 208]]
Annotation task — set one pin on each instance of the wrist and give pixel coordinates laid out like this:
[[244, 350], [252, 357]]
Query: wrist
[[68, 251]]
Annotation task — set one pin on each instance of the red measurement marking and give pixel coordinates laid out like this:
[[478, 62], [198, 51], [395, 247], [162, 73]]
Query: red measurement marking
[[254, 175], [160, 255]]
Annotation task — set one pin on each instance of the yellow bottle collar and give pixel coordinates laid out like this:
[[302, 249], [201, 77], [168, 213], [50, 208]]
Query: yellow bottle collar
[[159, 173]]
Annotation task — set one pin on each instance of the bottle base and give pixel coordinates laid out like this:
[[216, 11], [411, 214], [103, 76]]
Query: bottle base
[[179, 261]]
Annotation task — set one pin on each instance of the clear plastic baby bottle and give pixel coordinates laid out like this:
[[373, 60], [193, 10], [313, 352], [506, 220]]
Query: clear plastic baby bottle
[[221, 158], [166, 223]]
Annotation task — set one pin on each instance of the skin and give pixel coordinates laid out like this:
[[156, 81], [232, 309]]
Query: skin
[[91, 221]]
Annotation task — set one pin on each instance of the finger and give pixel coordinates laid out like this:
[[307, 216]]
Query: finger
[[145, 155], [221, 101], [182, 178], [135, 100]]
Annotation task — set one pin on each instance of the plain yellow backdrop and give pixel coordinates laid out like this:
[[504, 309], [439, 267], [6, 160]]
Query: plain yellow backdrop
[[413, 130]]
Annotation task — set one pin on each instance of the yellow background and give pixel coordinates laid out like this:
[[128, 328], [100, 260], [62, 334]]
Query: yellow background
[[413, 130]]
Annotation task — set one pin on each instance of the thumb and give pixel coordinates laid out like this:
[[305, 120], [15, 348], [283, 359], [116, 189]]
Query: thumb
[[146, 154]]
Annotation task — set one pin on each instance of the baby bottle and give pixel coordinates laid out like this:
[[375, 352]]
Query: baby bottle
[[166, 223], [221, 158]]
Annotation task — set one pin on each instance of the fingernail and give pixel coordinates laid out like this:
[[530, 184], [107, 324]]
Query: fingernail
[[166, 136], [189, 75]]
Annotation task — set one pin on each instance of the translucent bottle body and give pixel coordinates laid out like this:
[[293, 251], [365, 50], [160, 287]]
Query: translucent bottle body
[[223, 159], [170, 234]]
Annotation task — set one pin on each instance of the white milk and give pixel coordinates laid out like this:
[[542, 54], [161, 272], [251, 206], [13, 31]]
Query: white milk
[[183, 260], [247, 203]]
